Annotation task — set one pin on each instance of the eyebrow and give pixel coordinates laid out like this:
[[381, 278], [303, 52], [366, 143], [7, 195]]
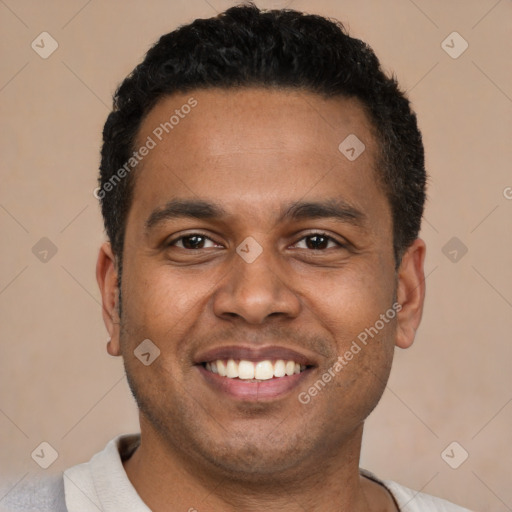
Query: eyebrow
[[298, 210], [183, 208], [330, 208]]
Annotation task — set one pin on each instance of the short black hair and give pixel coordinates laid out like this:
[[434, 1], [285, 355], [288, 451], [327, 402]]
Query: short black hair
[[246, 46]]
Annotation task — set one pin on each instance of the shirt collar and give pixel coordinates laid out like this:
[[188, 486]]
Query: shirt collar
[[102, 483]]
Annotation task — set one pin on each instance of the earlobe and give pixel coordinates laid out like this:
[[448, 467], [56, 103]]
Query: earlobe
[[410, 293], [113, 348], [107, 278]]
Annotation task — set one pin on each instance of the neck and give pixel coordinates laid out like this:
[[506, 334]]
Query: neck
[[160, 474]]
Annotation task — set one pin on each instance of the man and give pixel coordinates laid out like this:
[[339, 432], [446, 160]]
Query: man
[[262, 185]]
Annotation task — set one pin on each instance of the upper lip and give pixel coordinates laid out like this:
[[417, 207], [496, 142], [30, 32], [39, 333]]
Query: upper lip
[[239, 352]]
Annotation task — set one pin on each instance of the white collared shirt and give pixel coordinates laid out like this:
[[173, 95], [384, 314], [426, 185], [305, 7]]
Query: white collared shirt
[[103, 485], [102, 482]]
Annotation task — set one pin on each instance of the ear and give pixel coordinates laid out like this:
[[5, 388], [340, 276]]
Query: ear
[[410, 293], [106, 275]]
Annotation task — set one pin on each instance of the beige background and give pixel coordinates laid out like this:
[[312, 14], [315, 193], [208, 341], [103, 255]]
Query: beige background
[[57, 383]]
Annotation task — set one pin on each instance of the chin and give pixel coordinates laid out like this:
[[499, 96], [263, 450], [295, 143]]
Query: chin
[[252, 464]]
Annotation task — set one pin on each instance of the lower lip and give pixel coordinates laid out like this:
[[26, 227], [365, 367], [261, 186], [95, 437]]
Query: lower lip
[[273, 388]]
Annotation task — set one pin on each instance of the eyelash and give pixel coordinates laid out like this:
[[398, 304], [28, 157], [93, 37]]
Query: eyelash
[[316, 233]]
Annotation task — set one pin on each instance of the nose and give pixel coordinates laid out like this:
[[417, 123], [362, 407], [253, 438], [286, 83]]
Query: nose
[[256, 290]]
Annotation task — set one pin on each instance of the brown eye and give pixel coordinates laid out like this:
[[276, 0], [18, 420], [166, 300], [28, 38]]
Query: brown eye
[[319, 241], [193, 241]]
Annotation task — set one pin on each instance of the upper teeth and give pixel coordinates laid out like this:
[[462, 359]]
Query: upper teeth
[[260, 370]]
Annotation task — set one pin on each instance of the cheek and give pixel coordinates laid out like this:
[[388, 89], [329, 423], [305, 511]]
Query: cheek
[[352, 300], [350, 308], [160, 302]]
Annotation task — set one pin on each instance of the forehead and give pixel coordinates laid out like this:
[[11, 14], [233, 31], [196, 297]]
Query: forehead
[[223, 120], [254, 149]]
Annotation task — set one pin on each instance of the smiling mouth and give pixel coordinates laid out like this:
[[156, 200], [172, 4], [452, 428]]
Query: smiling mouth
[[254, 371]]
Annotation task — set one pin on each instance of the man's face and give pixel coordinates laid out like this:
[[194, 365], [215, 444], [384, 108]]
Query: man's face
[[317, 283]]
